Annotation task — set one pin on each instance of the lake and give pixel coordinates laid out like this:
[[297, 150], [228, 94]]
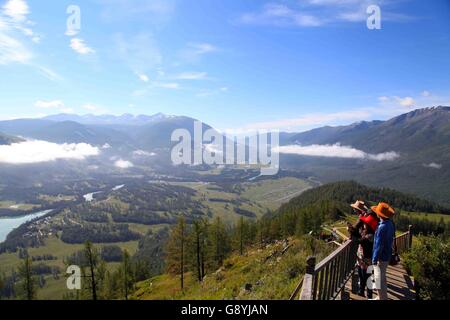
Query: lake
[[9, 224]]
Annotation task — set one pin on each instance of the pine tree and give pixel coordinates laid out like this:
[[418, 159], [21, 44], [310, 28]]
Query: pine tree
[[96, 270], [241, 235], [112, 285], [126, 274], [175, 251], [205, 245], [28, 281], [220, 241], [197, 247]]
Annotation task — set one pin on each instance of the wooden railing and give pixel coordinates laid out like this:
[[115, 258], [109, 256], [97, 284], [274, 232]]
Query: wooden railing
[[327, 279], [404, 241]]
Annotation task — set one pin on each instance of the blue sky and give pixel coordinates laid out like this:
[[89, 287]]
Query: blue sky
[[239, 65]]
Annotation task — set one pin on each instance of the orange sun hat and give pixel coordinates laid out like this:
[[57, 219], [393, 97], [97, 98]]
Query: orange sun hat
[[383, 210]]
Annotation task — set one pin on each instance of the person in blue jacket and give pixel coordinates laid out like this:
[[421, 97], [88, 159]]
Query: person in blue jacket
[[382, 247]]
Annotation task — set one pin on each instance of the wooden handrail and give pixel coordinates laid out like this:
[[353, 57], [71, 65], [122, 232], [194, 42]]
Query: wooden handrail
[[328, 278], [296, 290], [322, 264]]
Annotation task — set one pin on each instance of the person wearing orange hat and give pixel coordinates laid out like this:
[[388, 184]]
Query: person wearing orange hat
[[382, 250]]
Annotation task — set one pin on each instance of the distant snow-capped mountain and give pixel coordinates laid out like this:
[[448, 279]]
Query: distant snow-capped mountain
[[107, 119]]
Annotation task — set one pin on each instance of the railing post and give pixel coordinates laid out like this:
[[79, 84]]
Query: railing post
[[410, 236], [308, 280]]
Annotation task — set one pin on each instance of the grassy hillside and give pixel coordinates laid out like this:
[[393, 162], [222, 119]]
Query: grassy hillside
[[265, 272]]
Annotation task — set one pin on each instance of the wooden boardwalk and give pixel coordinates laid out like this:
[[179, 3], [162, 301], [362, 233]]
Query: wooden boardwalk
[[400, 285], [332, 278]]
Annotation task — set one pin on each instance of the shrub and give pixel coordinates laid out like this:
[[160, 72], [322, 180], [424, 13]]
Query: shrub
[[428, 262]]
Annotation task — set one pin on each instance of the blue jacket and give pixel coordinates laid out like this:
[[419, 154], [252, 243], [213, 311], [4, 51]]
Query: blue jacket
[[382, 246]]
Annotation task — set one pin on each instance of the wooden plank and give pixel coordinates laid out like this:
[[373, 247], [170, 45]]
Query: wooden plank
[[306, 293], [325, 295], [320, 277]]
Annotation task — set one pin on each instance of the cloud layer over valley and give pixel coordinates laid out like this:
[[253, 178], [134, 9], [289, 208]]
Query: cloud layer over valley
[[36, 151], [336, 151]]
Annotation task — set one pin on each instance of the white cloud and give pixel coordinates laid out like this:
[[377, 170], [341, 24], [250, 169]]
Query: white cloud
[[166, 85], [79, 46], [16, 9], [49, 104], [143, 77], [208, 93], [192, 76], [201, 48], [93, 108], [315, 13], [281, 15], [140, 52], [67, 110], [13, 50], [424, 99], [53, 104], [433, 165], [37, 151], [336, 151], [142, 153], [13, 16], [406, 101], [123, 164], [195, 51]]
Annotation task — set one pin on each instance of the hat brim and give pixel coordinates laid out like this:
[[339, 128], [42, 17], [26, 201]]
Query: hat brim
[[375, 209], [356, 207]]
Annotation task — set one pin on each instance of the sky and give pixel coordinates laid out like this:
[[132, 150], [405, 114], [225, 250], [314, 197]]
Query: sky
[[236, 65]]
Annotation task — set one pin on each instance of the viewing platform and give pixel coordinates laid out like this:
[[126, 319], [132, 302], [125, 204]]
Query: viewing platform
[[335, 277]]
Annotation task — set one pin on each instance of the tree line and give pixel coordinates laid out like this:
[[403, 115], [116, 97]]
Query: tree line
[[350, 191], [203, 246]]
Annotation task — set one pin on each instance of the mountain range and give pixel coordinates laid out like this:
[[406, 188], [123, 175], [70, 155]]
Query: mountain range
[[417, 131], [7, 139], [420, 138], [126, 132]]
